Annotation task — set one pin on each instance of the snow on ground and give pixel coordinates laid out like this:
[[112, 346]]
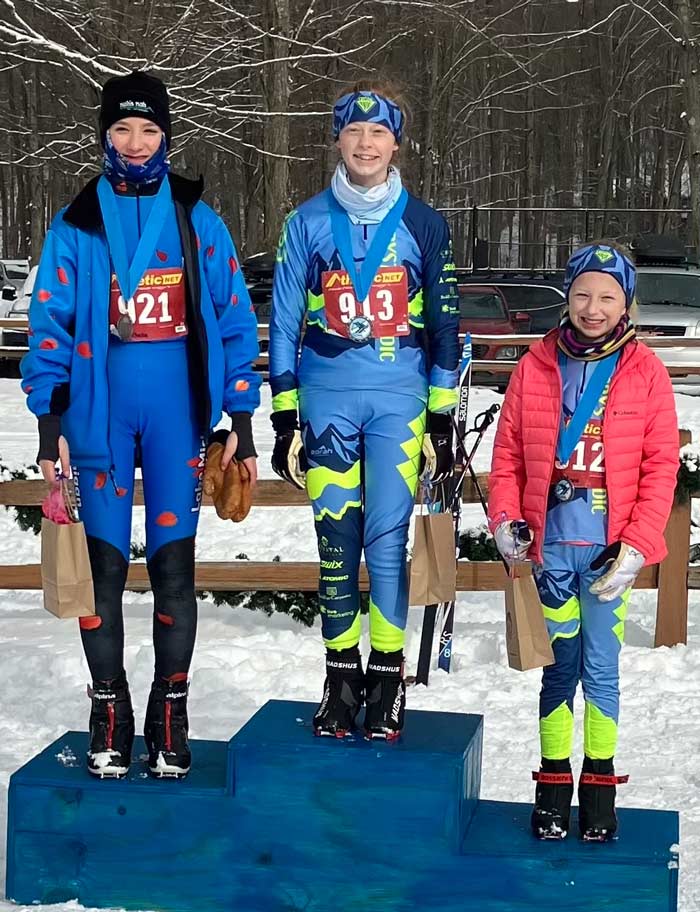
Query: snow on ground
[[244, 658]]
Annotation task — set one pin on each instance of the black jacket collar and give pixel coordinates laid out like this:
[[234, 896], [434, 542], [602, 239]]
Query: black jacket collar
[[84, 212]]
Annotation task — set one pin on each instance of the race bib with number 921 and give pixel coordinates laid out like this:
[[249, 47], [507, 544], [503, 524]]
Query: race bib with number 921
[[157, 309], [383, 313]]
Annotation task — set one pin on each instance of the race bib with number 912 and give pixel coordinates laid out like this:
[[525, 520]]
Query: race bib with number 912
[[157, 309], [586, 465], [383, 313]]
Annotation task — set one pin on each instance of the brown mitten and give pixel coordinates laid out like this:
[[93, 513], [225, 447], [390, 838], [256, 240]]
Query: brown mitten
[[213, 478], [227, 498], [230, 490], [243, 506]]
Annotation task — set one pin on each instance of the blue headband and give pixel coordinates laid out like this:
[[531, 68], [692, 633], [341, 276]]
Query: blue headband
[[369, 107], [601, 258]]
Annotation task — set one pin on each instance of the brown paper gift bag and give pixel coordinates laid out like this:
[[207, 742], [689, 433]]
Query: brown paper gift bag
[[433, 576], [66, 576], [527, 640]]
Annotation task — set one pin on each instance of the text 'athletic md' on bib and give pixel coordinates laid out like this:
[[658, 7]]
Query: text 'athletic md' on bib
[[383, 313], [157, 308]]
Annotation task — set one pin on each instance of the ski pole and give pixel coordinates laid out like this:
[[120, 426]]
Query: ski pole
[[481, 423]]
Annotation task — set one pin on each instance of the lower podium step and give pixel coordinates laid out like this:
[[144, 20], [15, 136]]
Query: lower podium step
[[279, 820], [634, 873]]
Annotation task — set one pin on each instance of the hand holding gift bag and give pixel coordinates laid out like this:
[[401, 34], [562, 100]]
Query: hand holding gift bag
[[66, 577], [527, 640]]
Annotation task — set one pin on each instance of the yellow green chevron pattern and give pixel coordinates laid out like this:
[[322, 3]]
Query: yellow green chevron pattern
[[412, 448], [569, 613]]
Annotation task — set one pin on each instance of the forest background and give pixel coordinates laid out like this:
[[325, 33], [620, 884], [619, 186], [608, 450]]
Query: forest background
[[513, 104]]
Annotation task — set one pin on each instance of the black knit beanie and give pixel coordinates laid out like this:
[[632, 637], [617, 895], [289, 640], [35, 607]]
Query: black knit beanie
[[135, 95]]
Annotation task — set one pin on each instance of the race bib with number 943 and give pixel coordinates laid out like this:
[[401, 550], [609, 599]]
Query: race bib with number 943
[[157, 309], [383, 313]]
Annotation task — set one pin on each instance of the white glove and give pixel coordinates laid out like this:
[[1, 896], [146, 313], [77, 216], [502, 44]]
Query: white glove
[[513, 539], [623, 564]]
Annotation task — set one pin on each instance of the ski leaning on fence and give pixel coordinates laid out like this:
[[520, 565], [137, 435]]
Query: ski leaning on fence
[[455, 489], [442, 500]]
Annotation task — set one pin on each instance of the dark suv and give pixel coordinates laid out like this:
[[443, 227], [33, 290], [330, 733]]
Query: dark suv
[[539, 295]]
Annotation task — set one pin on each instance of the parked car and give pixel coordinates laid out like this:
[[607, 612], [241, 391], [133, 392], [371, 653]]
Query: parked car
[[668, 296], [258, 271], [14, 273], [483, 310], [12, 276], [8, 293], [19, 310], [539, 295]]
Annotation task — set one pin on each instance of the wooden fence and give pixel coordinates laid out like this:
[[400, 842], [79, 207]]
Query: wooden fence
[[15, 352], [671, 578]]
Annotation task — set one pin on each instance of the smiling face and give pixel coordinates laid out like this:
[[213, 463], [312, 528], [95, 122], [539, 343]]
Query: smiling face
[[367, 149], [136, 139], [596, 303]]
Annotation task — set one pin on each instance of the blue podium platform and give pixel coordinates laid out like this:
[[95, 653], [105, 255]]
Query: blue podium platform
[[279, 820]]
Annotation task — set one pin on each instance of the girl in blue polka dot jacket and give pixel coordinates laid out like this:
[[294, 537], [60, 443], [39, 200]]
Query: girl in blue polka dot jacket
[[142, 334]]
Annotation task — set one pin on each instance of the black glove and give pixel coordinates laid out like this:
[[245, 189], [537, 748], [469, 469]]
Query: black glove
[[288, 457], [49, 432], [437, 458]]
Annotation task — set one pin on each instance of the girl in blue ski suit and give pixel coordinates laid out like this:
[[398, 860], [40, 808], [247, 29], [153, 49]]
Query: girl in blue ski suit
[[369, 268], [142, 332]]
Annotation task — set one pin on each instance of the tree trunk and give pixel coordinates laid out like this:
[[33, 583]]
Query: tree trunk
[[35, 190], [690, 64], [428, 150], [275, 81]]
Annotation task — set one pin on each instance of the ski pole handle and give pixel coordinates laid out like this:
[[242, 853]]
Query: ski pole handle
[[484, 419]]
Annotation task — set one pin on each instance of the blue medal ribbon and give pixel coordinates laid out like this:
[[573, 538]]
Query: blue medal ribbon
[[129, 275], [363, 276], [570, 434]]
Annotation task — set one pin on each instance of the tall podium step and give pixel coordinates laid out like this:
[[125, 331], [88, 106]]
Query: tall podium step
[[279, 820]]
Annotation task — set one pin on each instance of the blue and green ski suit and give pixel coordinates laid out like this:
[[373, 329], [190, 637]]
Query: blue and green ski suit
[[362, 406]]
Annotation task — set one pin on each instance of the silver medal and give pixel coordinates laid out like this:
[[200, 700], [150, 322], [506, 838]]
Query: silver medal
[[563, 490], [360, 329]]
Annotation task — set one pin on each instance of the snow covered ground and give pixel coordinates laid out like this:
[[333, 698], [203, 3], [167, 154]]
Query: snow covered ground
[[243, 659]]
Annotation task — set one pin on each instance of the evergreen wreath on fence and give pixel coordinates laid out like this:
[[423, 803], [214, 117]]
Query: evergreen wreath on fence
[[688, 483]]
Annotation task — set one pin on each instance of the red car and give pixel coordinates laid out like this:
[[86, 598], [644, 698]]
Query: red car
[[483, 311]]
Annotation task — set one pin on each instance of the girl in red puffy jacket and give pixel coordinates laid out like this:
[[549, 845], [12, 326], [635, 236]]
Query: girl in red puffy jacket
[[582, 482]]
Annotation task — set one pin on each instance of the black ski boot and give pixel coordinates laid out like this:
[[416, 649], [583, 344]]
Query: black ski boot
[[343, 693], [111, 728], [553, 794], [386, 695], [597, 820], [165, 730]]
